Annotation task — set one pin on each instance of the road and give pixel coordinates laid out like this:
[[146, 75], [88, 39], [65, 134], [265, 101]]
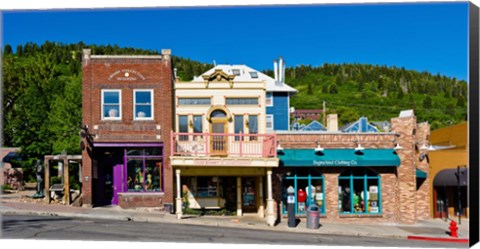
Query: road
[[65, 228]]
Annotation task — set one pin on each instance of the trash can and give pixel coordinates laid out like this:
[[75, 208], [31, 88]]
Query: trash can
[[313, 217]]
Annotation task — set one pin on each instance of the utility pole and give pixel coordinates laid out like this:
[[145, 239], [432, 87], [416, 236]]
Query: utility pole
[[324, 114]]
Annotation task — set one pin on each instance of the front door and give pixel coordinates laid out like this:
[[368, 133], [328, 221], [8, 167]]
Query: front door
[[218, 143], [248, 195], [117, 182]]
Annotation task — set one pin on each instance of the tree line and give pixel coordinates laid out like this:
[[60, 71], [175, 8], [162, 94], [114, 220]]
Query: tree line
[[378, 92]]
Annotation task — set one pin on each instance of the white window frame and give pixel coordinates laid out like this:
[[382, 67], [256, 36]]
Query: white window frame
[[266, 121], [271, 99], [119, 91], [135, 104]]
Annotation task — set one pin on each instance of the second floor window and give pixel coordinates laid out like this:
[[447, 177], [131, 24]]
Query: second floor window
[[111, 105], [269, 124], [197, 124], [194, 101], [143, 107], [183, 126], [238, 125], [242, 101], [269, 99], [253, 126]]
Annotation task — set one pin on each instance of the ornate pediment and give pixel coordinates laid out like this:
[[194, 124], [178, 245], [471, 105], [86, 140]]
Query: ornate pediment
[[218, 76]]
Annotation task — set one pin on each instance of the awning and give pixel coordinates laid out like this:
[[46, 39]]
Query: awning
[[338, 157], [448, 177], [420, 174]]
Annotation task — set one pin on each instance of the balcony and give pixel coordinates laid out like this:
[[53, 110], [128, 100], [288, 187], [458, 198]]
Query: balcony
[[223, 145]]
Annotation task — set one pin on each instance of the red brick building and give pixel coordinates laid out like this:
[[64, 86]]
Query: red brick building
[[127, 118]]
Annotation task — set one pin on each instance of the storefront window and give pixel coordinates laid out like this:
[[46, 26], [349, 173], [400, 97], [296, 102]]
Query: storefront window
[[309, 189], [359, 192], [207, 187], [144, 170]]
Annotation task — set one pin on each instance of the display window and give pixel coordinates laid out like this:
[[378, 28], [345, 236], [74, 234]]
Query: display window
[[309, 189], [144, 170], [359, 192]]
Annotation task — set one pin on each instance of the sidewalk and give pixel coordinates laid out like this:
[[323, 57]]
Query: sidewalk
[[434, 230]]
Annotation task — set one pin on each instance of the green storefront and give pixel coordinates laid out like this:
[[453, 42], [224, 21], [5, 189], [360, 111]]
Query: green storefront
[[359, 183]]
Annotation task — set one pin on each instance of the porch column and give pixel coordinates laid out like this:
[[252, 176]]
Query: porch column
[[239, 196], [261, 207], [270, 208], [178, 200]]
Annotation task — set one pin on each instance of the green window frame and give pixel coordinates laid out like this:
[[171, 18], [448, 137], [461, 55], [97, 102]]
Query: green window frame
[[296, 176], [360, 181]]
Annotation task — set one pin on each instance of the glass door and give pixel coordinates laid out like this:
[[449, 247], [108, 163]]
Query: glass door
[[248, 195]]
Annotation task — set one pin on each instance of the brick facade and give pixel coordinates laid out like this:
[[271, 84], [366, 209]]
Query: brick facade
[[125, 73], [401, 201]]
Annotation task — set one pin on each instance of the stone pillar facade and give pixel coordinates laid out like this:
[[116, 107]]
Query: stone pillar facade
[[423, 194], [406, 128]]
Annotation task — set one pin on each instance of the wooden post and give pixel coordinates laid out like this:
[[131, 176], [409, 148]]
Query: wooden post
[[66, 181], [47, 179]]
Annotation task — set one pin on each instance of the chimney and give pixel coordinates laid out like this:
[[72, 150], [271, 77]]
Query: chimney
[[332, 122], [275, 70], [280, 69]]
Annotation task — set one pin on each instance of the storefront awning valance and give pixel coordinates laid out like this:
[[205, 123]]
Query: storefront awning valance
[[448, 177], [420, 174], [338, 157]]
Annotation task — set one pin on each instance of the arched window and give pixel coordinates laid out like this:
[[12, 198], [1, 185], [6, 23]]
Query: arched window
[[359, 192], [218, 114], [309, 186]]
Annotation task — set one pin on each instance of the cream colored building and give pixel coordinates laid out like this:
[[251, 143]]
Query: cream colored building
[[221, 154]]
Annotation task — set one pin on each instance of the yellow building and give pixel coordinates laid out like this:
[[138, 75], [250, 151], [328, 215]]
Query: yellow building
[[449, 155], [220, 145]]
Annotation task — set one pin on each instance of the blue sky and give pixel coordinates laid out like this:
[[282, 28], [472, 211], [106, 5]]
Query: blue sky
[[420, 36]]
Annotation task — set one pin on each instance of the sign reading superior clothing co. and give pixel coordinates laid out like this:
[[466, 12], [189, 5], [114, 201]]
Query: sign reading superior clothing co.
[[335, 163]]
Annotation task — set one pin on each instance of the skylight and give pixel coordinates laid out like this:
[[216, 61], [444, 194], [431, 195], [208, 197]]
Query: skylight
[[254, 75], [236, 72]]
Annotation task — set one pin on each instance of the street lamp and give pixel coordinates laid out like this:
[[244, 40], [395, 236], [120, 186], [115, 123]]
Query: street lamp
[[459, 193]]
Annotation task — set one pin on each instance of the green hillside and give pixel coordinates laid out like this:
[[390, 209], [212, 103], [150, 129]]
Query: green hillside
[[378, 93]]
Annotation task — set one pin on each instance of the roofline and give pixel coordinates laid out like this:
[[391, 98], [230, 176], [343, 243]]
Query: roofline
[[152, 57]]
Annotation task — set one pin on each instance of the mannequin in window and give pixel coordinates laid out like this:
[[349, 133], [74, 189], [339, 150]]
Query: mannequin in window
[[301, 198], [310, 190]]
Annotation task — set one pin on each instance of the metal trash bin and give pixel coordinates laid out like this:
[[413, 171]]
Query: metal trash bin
[[313, 217]]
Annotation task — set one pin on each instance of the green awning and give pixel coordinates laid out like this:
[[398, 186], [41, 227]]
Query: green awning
[[338, 157], [420, 174]]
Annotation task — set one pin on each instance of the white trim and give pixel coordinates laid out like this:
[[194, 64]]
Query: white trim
[[273, 125], [266, 97], [119, 91], [135, 104], [288, 111]]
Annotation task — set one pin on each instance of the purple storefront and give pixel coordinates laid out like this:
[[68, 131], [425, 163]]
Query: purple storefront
[[126, 118]]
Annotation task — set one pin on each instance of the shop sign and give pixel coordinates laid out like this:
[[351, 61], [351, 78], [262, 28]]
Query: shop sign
[[223, 162], [335, 163]]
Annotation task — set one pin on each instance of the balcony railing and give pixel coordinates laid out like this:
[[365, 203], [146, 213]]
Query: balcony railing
[[220, 144]]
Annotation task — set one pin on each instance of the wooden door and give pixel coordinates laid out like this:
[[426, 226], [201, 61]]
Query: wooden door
[[249, 204], [218, 143]]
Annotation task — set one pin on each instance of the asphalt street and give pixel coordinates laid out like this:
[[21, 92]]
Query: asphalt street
[[64, 228]]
